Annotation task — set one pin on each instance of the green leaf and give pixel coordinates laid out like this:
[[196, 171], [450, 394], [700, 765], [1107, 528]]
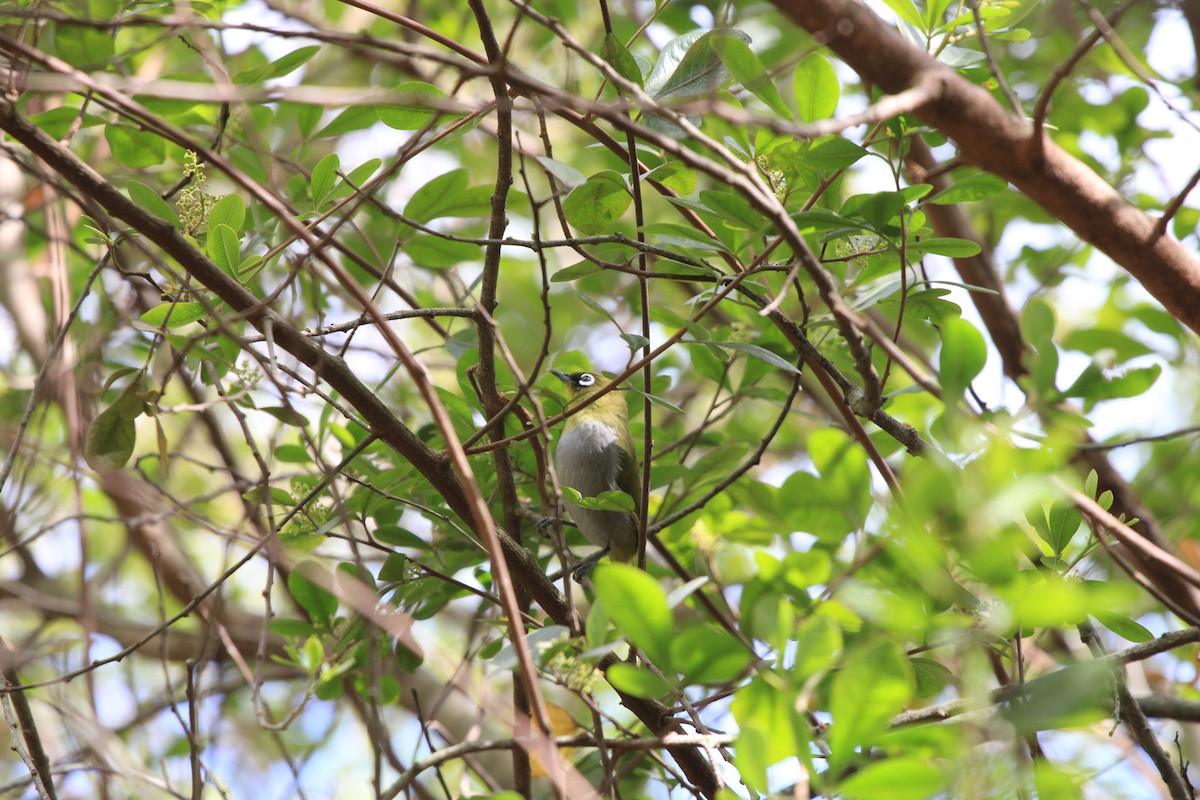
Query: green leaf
[[1053, 782], [822, 219], [575, 272], [817, 89], [915, 191], [319, 602], [733, 210], [293, 454], [638, 607], [932, 676], [961, 359], [173, 315], [895, 779], [418, 105], [877, 210], [616, 54], [600, 311], [292, 627], [564, 173], [148, 199], [906, 11], [705, 654], [225, 248], [596, 206], [354, 118], [324, 175], [394, 569], [279, 67], [435, 252], [615, 500], [951, 248], [399, 537], [1057, 527], [1038, 320], [753, 350], [637, 681], [1096, 384], [1093, 340], [1078, 694], [135, 148], [930, 304], [689, 66], [286, 415], [112, 435], [596, 626], [307, 116], [837, 502], [819, 643], [355, 180], [229, 210], [749, 71], [935, 12], [1038, 324], [770, 727], [872, 686], [969, 189], [831, 153], [1123, 627], [57, 121], [670, 233], [83, 47], [448, 195], [273, 494], [676, 176], [249, 268]]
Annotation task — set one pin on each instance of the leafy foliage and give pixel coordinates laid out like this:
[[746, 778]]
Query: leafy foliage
[[285, 280]]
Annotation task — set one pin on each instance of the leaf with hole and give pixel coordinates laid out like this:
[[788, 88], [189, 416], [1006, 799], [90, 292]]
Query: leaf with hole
[[595, 206]]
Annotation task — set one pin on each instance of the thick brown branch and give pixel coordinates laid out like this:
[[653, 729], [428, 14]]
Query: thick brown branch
[[989, 136]]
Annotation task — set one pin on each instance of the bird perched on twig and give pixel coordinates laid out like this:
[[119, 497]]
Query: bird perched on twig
[[594, 455]]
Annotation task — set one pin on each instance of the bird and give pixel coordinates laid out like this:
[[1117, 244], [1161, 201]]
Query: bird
[[595, 454]]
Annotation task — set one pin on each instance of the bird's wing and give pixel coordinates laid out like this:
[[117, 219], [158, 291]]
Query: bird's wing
[[629, 477]]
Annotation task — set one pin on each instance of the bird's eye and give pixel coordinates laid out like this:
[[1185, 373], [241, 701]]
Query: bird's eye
[[586, 379]]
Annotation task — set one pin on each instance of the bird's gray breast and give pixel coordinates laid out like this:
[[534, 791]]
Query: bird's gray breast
[[588, 458]]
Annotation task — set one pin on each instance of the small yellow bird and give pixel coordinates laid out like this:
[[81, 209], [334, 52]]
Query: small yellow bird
[[595, 454]]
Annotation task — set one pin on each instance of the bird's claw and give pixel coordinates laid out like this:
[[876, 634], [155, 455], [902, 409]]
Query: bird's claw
[[548, 522], [582, 569]]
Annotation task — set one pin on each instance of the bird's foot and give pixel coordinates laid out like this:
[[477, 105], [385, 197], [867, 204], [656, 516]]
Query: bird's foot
[[545, 523], [582, 569]]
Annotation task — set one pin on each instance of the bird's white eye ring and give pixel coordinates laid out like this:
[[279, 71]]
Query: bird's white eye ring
[[586, 379]]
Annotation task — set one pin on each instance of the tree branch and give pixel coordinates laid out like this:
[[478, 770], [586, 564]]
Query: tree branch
[[990, 137]]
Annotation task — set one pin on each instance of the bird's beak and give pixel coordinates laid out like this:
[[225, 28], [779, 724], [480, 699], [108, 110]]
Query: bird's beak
[[562, 376]]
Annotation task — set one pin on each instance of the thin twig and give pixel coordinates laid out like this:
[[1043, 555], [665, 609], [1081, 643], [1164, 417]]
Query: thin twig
[[1136, 722]]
